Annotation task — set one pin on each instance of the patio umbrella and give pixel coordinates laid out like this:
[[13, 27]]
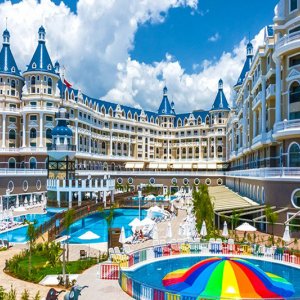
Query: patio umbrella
[[225, 230], [169, 234], [286, 236], [246, 227], [122, 238], [34, 199], [227, 278], [30, 200], [203, 231], [88, 236], [147, 221], [135, 223]]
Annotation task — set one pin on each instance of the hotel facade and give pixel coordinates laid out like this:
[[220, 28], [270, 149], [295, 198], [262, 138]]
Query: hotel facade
[[253, 147]]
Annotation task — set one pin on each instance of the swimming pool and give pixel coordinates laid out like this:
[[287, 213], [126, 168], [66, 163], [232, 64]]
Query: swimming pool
[[19, 235], [151, 275], [98, 225]]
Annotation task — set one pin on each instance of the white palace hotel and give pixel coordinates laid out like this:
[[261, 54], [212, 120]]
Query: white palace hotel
[[250, 143]]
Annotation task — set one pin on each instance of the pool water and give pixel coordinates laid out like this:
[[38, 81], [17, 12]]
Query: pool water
[[145, 274], [97, 224], [19, 235]]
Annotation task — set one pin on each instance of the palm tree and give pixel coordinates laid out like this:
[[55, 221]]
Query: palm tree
[[108, 218], [68, 220], [271, 217], [32, 236]]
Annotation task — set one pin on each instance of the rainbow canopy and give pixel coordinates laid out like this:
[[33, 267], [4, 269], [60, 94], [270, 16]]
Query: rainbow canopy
[[226, 278]]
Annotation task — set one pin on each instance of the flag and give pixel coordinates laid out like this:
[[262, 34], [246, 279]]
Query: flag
[[68, 84]]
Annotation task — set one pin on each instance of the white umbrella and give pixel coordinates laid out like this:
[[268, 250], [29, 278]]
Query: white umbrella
[[203, 231], [225, 230], [246, 227], [135, 223], [147, 221], [89, 235], [172, 207], [122, 238], [150, 197], [155, 233], [286, 236], [25, 201], [169, 234], [30, 200], [34, 199]]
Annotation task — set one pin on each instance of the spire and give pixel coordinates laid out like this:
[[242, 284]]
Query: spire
[[41, 61], [247, 64], [7, 62], [165, 107], [220, 102]]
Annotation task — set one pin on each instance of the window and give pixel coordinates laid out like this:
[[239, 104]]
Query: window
[[32, 103], [34, 66], [33, 118], [12, 119], [32, 163], [294, 94], [48, 133], [12, 134], [293, 5], [13, 84], [49, 86], [294, 60], [49, 104], [296, 29], [32, 133], [294, 155], [49, 118], [12, 163]]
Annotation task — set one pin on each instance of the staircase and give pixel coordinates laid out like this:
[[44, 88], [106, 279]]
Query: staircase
[[225, 199]]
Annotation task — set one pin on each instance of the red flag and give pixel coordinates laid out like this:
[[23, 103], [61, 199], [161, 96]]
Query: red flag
[[68, 84]]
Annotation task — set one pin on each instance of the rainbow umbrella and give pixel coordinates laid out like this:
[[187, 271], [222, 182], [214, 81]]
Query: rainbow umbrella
[[227, 278]]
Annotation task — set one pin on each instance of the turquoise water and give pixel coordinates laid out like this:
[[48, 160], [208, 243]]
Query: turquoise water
[[152, 274], [157, 198], [98, 225], [19, 235]]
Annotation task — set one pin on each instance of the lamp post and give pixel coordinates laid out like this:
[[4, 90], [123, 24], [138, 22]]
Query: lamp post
[[139, 196]]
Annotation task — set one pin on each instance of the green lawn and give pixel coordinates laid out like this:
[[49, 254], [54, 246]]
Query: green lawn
[[18, 267]]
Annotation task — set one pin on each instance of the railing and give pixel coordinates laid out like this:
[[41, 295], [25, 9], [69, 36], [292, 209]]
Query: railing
[[287, 124], [108, 184], [61, 147], [19, 172], [257, 99], [286, 39], [256, 139], [266, 172], [270, 90], [141, 291]]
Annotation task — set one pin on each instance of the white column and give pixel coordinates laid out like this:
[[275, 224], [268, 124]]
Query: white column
[[263, 106], [215, 147], [232, 137], [208, 148], [24, 131], [254, 124], [58, 198], [129, 146], [168, 149], [79, 198], [110, 144], [76, 135], [70, 199], [245, 125], [3, 130], [41, 129], [90, 141], [278, 90], [200, 150]]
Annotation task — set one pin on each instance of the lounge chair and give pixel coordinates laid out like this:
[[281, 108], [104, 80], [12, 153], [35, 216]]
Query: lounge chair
[[82, 254]]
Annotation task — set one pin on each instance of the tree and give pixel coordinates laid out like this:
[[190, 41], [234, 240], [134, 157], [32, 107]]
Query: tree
[[68, 220], [32, 236], [108, 217], [203, 208], [271, 217]]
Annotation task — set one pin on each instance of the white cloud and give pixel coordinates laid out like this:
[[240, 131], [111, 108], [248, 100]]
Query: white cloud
[[94, 45], [214, 38]]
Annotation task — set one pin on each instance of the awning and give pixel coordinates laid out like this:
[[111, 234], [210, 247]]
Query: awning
[[186, 166], [139, 165], [153, 166], [211, 166], [163, 166], [177, 166], [201, 166], [129, 165]]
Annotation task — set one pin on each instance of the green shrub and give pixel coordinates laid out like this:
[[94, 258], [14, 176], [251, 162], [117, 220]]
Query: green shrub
[[25, 295]]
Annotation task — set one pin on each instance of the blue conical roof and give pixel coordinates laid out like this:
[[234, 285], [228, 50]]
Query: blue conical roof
[[247, 64], [7, 62], [41, 60], [220, 102], [165, 107]]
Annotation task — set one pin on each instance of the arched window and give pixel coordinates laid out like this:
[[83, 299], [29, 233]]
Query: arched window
[[220, 149], [179, 123], [294, 101], [32, 133], [12, 163], [12, 134], [185, 121], [207, 120], [103, 145], [48, 133], [32, 81], [32, 163], [49, 86], [199, 121], [103, 110], [110, 112], [129, 115], [294, 155], [136, 116], [125, 147], [13, 84], [119, 146]]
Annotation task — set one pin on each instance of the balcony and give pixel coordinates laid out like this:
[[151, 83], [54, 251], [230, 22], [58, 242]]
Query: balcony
[[61, 147], [256, 139], [287, 128], [257, 100], [288, 42], [270, 92]]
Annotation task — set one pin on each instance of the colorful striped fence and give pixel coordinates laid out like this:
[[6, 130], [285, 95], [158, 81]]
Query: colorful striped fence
[[109, 271]]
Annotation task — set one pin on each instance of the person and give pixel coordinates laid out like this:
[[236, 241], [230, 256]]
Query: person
[[141, 234]]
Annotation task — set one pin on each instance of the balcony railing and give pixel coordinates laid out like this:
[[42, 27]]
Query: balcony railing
[[287, 124], [256, 139], [266, 173], [61, 147], [288, 38], [270, 91], [257, 99]]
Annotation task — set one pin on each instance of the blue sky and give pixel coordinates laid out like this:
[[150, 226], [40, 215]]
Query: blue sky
[[128, 49]]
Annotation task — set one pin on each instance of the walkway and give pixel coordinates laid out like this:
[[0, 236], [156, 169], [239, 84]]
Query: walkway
[[224, 198]]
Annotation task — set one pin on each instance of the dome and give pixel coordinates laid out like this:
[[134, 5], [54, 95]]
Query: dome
[[62, 130], [228, 278]]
